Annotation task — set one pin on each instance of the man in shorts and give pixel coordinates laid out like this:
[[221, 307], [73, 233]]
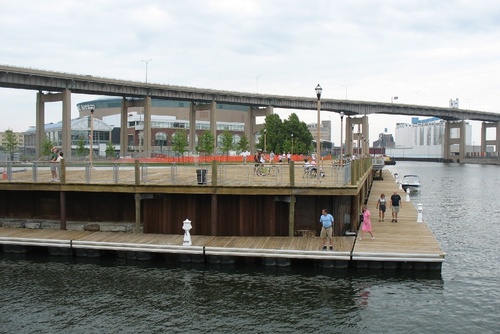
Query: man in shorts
[[326, 221], [396, 204]]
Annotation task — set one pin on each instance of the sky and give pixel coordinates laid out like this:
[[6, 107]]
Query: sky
[[424, 52]]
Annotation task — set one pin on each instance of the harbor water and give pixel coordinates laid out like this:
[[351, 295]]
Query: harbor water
[[44, 294]]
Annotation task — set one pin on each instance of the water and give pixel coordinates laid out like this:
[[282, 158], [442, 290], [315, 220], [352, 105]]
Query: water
[[45, 294]]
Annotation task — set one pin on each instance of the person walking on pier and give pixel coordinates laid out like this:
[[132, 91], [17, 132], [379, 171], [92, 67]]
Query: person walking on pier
[[366, 224], [381, 207], [395, 205], [326, 221]]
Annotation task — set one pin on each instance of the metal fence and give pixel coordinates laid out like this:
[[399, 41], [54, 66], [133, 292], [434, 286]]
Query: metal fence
[[209, 174]]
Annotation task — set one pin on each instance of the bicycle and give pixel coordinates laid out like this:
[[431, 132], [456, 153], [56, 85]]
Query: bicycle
[[264, 170]]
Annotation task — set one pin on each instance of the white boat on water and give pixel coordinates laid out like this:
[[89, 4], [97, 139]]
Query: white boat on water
[[410, 181]]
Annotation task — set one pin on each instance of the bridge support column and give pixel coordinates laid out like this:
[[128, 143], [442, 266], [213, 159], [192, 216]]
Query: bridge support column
[[40, 124], [66, 123], [123, 130], [459, 140], [65, 144], [462, 136], [213, 123], [147, 127], [192, 128], [446, 144], [253, 127], [348, 137], [494, 142]]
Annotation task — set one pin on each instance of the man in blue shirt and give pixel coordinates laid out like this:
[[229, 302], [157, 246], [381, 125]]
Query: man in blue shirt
[[326, 220]]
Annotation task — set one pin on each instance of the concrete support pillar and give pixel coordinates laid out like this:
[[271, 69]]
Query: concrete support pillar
[[250, 129], [483, 137], [40, 124], [147, 126], [66, 123], [123, 130], [192, 128], [366, 136], [213, 123], [462, 137], [446, 144], [497, 146], [348, 137]]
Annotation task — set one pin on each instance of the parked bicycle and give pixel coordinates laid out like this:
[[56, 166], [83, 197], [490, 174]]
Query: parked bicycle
[[264, 170]]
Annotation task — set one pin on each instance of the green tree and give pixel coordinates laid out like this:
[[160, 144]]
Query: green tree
[[180, 142], [80, 147], [206, 143], [226, 142], [46, 147], [279, 135], [10, 143], [243, 145], [302, 138], [110, 150]]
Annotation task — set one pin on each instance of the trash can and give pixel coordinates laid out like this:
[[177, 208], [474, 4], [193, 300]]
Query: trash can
[[201, 176]]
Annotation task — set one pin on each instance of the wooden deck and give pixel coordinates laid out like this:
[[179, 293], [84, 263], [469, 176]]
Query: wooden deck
[[395, 243], [405, 240], [276, 247]]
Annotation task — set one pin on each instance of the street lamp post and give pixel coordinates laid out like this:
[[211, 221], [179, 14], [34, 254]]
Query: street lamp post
[[91, 139], [292, 143], [319, 90], [147, 61], [341, 137], [257, 82], [346, 89]]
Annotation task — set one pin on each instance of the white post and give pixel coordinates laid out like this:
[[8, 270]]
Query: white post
[[407, 194], [419, 216], [187, 237]]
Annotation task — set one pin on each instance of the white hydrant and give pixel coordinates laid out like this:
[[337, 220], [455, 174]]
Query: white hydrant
[[420, 208], [407, 194], [187, 237]]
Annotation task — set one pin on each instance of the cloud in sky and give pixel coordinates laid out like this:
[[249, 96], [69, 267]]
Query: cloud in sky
[[424, 52]]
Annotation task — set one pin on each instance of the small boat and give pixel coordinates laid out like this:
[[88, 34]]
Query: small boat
[[410, 181], [389, 160]]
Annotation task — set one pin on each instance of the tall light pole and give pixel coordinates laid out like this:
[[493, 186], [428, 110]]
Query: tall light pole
[[146, 61], [346, 89], [341, 137], [319, 90], [91, 139], [292, 143], [257, 82]]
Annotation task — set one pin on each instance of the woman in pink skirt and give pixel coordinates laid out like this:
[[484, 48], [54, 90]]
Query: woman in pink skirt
[[367, 224]]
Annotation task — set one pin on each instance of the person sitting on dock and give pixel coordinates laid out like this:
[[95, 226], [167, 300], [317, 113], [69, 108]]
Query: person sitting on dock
[[326, 220]]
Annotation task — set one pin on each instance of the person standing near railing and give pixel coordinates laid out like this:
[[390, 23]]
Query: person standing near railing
[[256, 158], [53, 163]]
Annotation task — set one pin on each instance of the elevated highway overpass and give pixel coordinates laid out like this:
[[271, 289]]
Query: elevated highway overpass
[[58, 86]]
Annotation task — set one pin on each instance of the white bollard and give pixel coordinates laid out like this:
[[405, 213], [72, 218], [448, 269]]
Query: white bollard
[[407, 194], [187, 237], [420, 208]]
